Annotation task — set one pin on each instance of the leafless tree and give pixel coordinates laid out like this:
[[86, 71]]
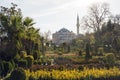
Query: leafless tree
[[115, 18], [97, 13]]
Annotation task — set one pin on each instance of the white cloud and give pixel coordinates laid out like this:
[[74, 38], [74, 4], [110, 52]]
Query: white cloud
[[60, 8], [57, 13], [57, 6]]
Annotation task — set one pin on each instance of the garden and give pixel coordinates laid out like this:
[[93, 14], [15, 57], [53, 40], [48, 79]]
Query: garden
[[25, 54]]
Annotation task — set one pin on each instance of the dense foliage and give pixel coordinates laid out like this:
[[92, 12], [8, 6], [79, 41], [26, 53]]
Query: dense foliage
[[18, 33]]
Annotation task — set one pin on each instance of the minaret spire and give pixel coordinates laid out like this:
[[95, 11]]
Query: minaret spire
[[78, 24]]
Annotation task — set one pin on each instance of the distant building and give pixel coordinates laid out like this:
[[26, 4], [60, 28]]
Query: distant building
[[63, 36], [66, 36]]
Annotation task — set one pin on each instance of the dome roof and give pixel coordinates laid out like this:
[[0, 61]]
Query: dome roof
[[63, 30]]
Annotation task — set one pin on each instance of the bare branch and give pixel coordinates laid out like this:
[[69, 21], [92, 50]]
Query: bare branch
[[97, 15]]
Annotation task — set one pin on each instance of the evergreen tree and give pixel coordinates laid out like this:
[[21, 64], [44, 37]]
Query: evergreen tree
[[87, 51]]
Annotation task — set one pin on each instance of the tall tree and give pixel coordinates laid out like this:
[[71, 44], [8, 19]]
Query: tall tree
[[87, 49], [11, 20], [20, 31], [32, 37], [97, 14]]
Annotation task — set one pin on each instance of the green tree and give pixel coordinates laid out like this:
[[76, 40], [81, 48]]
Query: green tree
[[33, 38], [110, 59], [97, 14], [21, 35], [87, 49], [11, 20], [116, 44]]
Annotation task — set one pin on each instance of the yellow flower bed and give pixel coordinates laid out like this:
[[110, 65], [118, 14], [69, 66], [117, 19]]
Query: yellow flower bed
[[74, 74]]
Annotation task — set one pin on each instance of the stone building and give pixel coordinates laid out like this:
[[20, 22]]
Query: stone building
[[65, 36]]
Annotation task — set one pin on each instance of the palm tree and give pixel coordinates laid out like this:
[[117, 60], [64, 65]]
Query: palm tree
[[32, 34], [21, 35]]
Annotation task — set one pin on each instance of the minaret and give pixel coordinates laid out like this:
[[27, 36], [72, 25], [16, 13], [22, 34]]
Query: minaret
[[78, 24]]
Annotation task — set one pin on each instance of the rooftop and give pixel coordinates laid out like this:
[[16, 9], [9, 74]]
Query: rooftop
[[63, 30]]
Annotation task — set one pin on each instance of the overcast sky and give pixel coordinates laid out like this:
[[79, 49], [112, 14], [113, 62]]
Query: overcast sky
[[55, 14]]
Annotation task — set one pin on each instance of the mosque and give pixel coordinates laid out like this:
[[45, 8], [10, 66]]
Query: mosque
[[64, 35]]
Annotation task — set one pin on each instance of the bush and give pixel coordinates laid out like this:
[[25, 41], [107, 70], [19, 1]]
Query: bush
[[87, 51], [100, 50], [39, 62], [117, 63], [36, 55], [61, 68], [59, 53], [44, 61], [35, 62], [18, 74], [50, 61], [22, 63], [80, 53], [29, 61], [23, 54], [110, 59], [17, 56]]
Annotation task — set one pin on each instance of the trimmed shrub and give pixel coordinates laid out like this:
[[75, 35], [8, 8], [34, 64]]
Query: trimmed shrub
[[49, 62], [61, 68], [117, 63], [110, 59], [23, 54], [100, 51], [39, 61], [44, 61], [18, 74], [59, 53], [36, 55], [87, 51], [35, 62], [80, 53], [17, 56], [29, 61]]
